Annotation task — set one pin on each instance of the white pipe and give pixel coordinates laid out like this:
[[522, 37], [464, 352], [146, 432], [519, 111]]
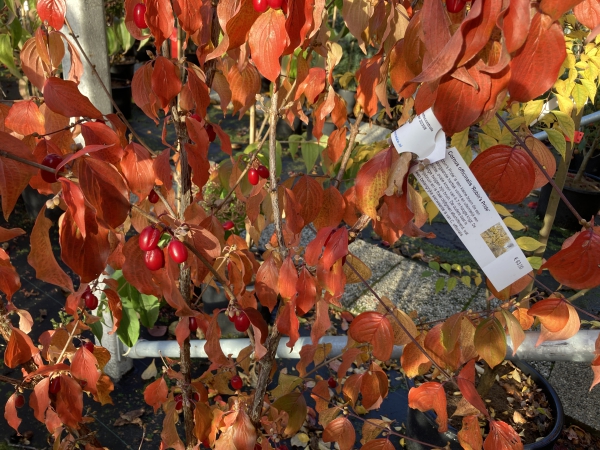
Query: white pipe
[[579, 348], [585, 120]]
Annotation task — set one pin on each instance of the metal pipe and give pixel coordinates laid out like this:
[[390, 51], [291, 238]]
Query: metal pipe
[[585, 120], [580, 348]]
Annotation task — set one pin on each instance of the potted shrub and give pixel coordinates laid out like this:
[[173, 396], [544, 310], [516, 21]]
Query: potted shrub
[[137, 209]]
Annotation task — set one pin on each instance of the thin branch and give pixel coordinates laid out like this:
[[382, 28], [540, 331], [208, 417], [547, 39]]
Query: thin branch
[[68, 127], [273, 116], [165, 202], [346, 157], [26, 161], [105, 89], [522, 144]]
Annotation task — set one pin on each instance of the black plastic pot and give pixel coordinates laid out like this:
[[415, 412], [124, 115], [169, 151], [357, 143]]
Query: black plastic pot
[[123, 70], [586, 203], [121, 93], [422, 426]]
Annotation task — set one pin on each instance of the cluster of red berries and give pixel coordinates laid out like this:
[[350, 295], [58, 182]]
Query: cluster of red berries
[[262, 5], [240, 321], [454, 6], [139, 13], [154, 257], [254, 174], [212, 135], [51, 160]]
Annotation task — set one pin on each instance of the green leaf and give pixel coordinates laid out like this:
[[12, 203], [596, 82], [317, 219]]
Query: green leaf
[[434, 265], [513, 224], [263, 156], [528, 244], [457, 267], [129, 327], [566, 124], [452, 283], [6, 55], [124, 37], [427, 273], [535, 261], [447, 267], [16, 30], [466, 280], [295, 405], [439, 284], [112, 43], [532, 110], [294, 144], [486, 141], [96, 328], [147, 306], [467, 269], [11, 6], [558, 141], [490, 341], [580, 95], [310, 154], [143, 43]]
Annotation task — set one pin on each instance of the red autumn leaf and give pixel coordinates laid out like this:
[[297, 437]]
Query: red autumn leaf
[[244, 432], [292, 207], [39, 400], [205, 242], [160, 20], [32, 65], [83, 367], [244, 86], [577, 265], [138, 170], [322, 322], [309, 194], [506, 174], [169, 436], [588, 13], [367, 78], [10, 281], [142, 92], [86, 256], [156, 393], [75, 201], [287, 322], [199, 91], [267, 283], [116, 308], [413, 360], [374, 387], [14, 176], [182, 330], [458, 104], [341, 431], [203, 416], [10, 412], [545, 157], [268, 39], [332, 207], [466, 384], [378, 444], [428, 396], [105, 189], [374, 328], [52, 11], [502, 437], [162, 169], [490, 341], [335, 147], [469, 436], [544, 47], [314, 249], [552, 313], [165, 81], [288, 277], [371, 181], [63, 97], [41, 257], [307, 291], [400, 72], [556, 8], [19, 349], [188, 14], [25, 118], [516, 24], [213, 347], [69, 402], [312, 85], [135, 271], [260, 327], [336, 248], [97, 133]]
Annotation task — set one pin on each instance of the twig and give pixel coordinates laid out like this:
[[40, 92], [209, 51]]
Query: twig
[[346, 157], [26, 161], [522, 144], [273, 116], [165, 202], [105, 89], [67, 343], [20, 446], [68, 127], [143, 436]]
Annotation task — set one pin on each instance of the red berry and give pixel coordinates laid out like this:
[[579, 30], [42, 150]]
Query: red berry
[[178, 398], [149, 238], [195, 397], [253, 176], [179, 405], [139, 12], [212, 135], [275, 4], [196, 117], [89, 346], [19, 401], [91, 301], [260, 5], [257, 446], [454, 6], [205, 443], [332, 383], [154, 259], [228, 225], [263, 171], [54, 385], [242, 323], [51, 160], [232, 317], [193, 324], [385, 243], [236, 383], [177, 251], [153, 197], [282, 447]]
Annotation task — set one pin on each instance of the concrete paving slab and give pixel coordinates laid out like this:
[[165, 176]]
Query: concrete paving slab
[[572, 382]]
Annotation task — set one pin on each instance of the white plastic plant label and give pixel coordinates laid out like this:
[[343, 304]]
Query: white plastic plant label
[[459, 197], [423, 136]]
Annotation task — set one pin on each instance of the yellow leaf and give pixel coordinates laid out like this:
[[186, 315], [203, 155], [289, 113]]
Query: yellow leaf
[[529, 244], [359, 266], [513, 224], [566, 123], [565, 104], [532, 110], [535, 261], [486, 141], [557, 139], [580, 96], [502, 210], [492, 128], [590, 86], [432, 211], [460, 140]]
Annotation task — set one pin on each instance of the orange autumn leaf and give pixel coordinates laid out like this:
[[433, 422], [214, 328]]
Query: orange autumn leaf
[[375, 329], [430, 395]]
